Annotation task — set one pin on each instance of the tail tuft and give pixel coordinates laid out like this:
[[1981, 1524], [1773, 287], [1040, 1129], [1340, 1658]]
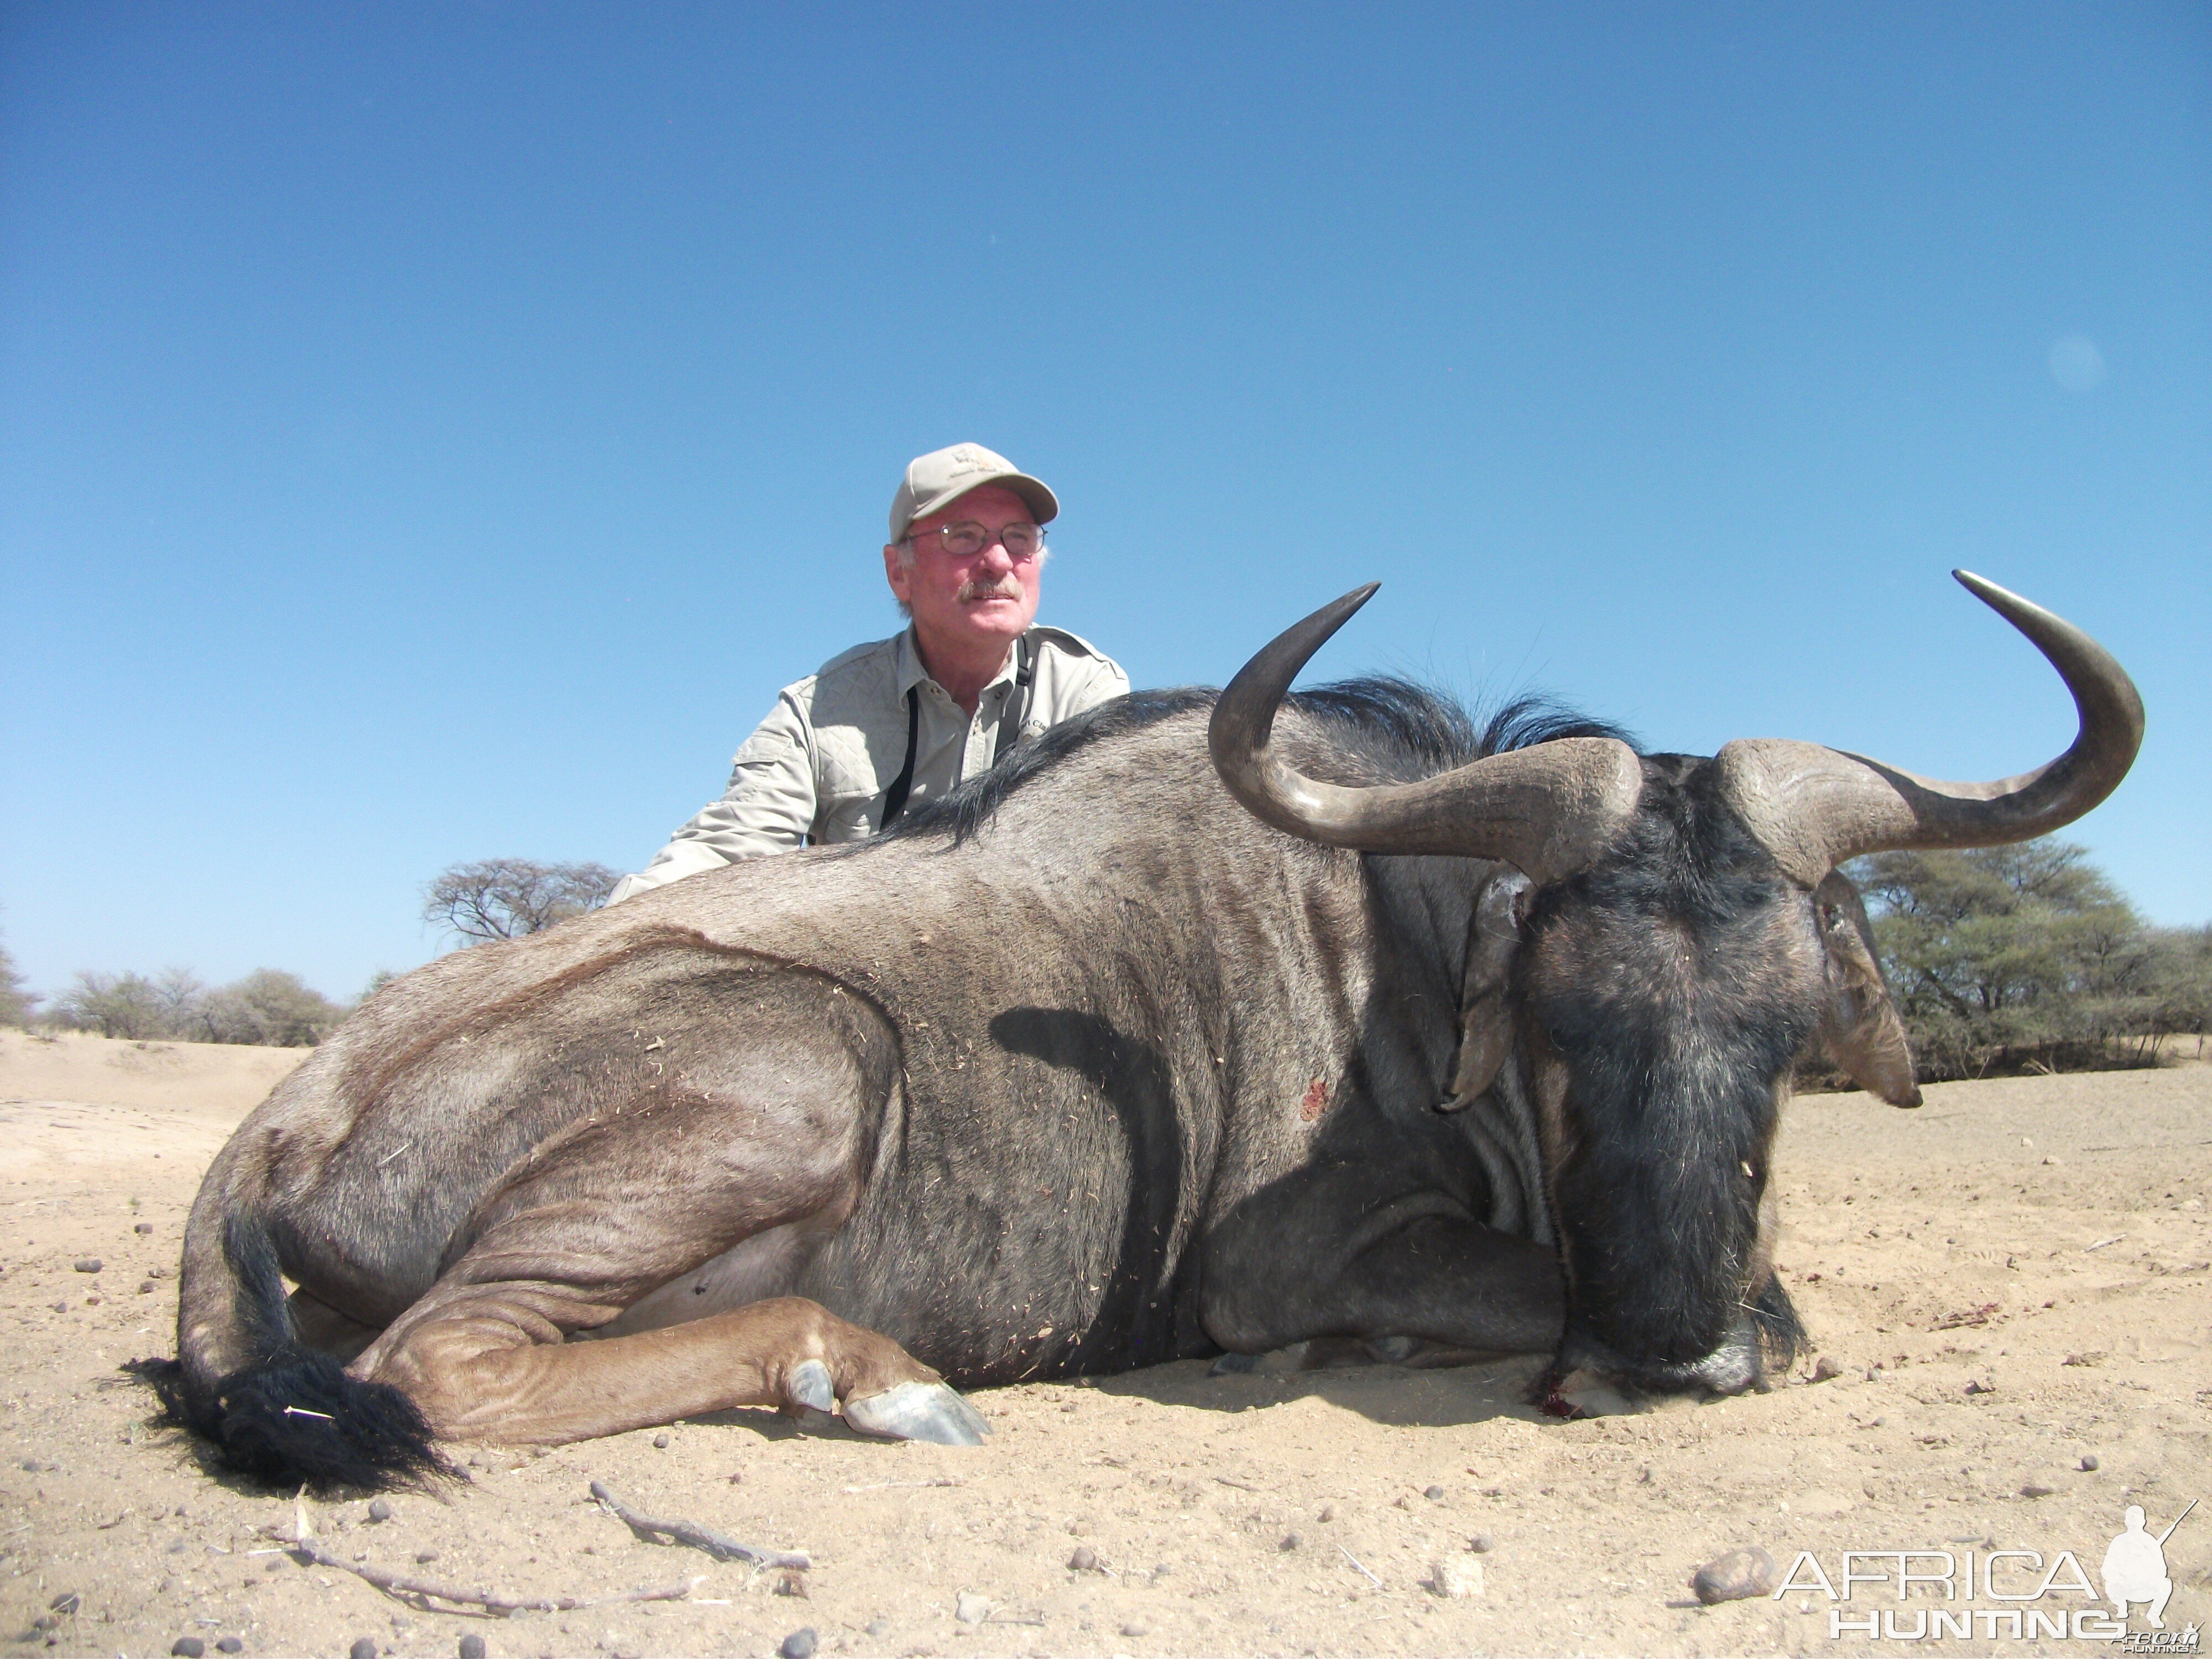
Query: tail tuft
[[300, 1417]]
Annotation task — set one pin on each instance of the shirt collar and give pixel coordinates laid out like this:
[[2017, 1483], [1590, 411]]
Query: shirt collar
[[911, 673]]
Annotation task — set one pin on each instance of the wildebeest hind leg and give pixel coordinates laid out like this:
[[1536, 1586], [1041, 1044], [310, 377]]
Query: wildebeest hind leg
[[627, 1199], [478, 1374]]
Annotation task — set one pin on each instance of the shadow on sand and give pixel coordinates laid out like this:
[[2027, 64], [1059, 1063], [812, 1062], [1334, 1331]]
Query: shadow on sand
[[1397, 1395]]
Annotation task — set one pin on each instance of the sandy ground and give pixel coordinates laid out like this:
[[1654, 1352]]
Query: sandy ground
[[2010, 1281]]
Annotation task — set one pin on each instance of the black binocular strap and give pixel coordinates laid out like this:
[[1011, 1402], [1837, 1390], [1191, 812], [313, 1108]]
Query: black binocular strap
[[1010, 728]]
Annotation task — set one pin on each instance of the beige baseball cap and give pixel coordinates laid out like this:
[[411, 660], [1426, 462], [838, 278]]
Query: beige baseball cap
[[942, 476]]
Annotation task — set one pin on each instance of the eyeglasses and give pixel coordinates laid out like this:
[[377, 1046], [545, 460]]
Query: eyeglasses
[[967, 538]]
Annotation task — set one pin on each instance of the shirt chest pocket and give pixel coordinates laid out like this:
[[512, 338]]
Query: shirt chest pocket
[[848, 795]]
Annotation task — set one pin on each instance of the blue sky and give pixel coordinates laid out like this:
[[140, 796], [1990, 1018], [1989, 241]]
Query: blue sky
[[434, 432]]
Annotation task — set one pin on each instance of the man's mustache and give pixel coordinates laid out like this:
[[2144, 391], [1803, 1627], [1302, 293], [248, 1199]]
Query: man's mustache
[[1002, 588]]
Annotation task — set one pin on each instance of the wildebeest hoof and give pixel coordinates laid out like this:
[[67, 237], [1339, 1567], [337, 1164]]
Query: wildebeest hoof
[[918, 1411], [810, 1384]]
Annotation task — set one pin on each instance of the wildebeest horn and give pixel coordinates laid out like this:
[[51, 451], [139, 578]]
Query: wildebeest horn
[[1548, 810], [1814, 807]]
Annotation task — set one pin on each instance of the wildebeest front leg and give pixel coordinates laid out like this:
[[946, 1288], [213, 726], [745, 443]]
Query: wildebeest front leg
[[1338, 1251]]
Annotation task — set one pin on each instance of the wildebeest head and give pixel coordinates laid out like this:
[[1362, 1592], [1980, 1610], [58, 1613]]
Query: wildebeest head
[[1683, 939]]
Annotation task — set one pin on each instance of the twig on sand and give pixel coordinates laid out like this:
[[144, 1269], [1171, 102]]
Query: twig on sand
[[718, 1545], [419, 1593], [1356, 1562]]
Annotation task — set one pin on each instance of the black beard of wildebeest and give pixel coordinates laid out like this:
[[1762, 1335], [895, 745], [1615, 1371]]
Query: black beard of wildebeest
[[1677, 981], [1202, 1023]]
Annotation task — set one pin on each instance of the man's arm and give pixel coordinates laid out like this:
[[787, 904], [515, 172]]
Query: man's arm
[[769, 807]]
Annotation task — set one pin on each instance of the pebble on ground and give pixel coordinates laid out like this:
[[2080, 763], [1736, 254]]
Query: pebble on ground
[[1734, 1576]]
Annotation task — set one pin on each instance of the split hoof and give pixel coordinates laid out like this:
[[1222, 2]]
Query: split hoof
[[809, 1385], [918, 1411]]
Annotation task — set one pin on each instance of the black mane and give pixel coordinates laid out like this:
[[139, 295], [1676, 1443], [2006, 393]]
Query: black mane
[[1425, 727]]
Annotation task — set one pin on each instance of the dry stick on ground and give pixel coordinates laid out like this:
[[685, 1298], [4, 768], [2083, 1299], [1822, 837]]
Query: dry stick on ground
[[419, 1593], [720, 1547]]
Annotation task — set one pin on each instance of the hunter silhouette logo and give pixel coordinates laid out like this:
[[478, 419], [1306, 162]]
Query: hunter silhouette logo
[[2135, 1567], [1936, 1595]]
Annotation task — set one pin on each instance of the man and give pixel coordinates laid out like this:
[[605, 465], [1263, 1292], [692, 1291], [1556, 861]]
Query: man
[[875, 733]]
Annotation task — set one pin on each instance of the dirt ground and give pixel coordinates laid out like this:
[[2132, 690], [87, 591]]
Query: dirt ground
[[2007, 1284]]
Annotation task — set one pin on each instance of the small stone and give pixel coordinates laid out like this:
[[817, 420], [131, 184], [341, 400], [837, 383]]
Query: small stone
[[1734, 1576], [379, 1509], [364, 1647], [792, 1584], [1327, 1512], [145, 1287], [90, 1264], [2089, 1465], [61, 1307], [473, 1647], [1291, 1541], [424, 1558], [661, 1441], [1085, 1560], [1434, 1494], [66, 1603], [230, 1644], [1482, 1543], [188, 1647], [1234, 1364], [1456, 1578], [1980, 1387], [1825, 1370], [971, 1609], [143, 1227], [799, 1645], [879, 1628], [32, 1465], [2036, 1489], [1132, 1628]]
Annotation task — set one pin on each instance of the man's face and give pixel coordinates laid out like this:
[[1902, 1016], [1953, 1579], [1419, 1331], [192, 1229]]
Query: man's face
[[964, 604]]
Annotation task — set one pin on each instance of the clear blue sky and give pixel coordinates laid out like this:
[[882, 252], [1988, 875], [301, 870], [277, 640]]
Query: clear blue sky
[[434, 432]]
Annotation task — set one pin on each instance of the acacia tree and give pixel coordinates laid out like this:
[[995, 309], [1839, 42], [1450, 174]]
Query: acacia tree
[[17, 1004], [506, 898], [2018, 956]]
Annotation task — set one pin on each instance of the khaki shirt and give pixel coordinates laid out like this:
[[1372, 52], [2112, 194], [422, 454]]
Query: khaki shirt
[[819, 766]]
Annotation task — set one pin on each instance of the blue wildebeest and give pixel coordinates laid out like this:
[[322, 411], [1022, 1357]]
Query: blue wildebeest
[[1094, 1064]]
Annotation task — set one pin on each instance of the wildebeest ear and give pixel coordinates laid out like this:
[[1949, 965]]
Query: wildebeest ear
[[1859, 1023], [1486, 1021]]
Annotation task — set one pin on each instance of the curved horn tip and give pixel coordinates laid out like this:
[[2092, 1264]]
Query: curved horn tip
[[1343, 610]]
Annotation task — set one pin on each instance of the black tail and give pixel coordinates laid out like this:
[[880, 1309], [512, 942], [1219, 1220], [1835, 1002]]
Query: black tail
[[291, 1414]]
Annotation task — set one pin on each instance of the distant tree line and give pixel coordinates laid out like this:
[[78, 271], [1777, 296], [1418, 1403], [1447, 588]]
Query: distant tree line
[[2009, 959], [490, 899], [267, 1006]]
